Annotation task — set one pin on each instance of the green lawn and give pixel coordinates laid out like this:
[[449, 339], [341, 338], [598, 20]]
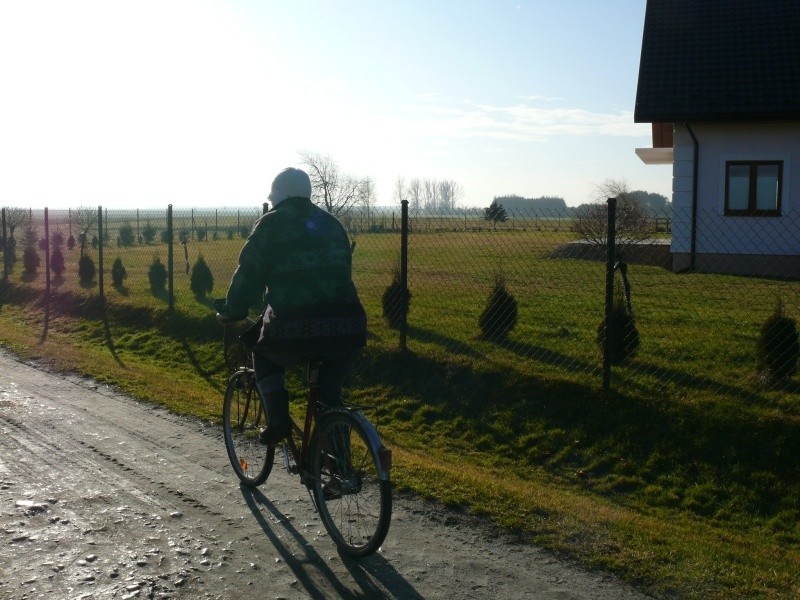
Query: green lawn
[[685, 479]]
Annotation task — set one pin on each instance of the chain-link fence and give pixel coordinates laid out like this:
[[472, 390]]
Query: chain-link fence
[[687, 304]]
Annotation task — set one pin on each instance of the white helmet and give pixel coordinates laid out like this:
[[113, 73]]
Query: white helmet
[[290, 183]]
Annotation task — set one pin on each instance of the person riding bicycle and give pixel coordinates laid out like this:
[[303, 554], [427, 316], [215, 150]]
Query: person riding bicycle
[[300, 255]]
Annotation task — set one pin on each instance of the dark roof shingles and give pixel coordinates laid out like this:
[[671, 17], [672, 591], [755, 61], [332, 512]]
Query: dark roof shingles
[[719, 60]]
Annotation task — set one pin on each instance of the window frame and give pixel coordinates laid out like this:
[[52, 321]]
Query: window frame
[[751, 210]]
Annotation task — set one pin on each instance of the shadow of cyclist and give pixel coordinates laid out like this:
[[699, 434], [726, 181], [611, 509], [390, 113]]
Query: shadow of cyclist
[[373, 574], [365, 571]]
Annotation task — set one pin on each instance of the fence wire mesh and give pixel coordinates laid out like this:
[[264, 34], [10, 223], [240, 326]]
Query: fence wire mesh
[[711, 307]]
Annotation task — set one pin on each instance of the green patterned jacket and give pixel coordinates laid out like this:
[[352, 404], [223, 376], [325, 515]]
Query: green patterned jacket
[[301, 256]]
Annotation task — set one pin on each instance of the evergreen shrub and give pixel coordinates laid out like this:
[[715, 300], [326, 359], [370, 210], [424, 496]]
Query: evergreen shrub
[[500, 314], [30, 260], [157, 275], [57, 264], [118, 273], [396, 301], [201, 281], [778, 347], [624, 335], [86, 270]]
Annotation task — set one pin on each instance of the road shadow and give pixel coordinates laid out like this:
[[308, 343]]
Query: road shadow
[[373, 574], [446, 342], [376, 568], [700, 382], [523, 350], [109, 340], [46, 329], [210, 376], [544, 355]]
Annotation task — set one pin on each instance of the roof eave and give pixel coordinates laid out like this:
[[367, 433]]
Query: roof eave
[[673, 117]]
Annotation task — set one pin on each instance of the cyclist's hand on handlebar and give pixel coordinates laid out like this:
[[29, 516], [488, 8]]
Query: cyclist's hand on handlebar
[[223, 313], [219, 306], [224, 320]]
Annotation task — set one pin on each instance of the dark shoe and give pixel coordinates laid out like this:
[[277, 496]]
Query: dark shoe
[[273, 433]]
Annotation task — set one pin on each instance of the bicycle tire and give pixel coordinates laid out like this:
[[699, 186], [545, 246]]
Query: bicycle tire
[[242, 419], [353, 498]]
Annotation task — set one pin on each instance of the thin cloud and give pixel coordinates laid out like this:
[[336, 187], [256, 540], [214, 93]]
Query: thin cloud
[[537, 98], [520, 122]]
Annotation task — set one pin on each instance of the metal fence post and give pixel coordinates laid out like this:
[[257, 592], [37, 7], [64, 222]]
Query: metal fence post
[[5, 248], [47, 261], [265, 208], [100, 234], [610, 261], [170, 270], [404, 272]]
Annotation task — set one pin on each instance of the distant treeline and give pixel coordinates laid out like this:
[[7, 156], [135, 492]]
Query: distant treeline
[[550, 205], [654, 204]]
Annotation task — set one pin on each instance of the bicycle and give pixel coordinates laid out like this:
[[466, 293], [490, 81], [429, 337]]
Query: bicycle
[[337, 453]]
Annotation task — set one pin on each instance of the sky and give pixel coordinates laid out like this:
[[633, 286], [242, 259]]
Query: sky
[[199, 103]]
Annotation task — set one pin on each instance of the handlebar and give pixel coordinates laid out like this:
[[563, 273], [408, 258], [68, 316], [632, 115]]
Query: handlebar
[[234, 352], [219, 306], [223, 320]]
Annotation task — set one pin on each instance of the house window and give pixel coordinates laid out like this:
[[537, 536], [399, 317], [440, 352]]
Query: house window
[[753, 188]]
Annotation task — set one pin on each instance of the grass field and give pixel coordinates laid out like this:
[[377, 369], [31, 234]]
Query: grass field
[[684, 480]]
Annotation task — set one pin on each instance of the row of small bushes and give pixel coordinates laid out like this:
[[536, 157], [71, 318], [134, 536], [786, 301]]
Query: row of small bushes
[[778, 346], [777, 351], [496, 321], [201, 279]]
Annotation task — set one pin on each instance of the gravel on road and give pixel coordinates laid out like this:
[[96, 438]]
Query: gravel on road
[[103, 496]]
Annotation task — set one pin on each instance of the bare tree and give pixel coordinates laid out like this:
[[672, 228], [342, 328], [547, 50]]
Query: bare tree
[[14, 218], [632, 224], [430, 195], [450, 193], [415, 194], [335, 192], [400, 189], [366, 196], [86, 219]]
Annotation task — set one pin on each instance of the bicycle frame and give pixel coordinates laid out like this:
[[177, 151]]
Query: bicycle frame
[[300, 454]]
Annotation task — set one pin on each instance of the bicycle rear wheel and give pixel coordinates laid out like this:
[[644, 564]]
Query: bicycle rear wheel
[[350, 485], [242, 419]]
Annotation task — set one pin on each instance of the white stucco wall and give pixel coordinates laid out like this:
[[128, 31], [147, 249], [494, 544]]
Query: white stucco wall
[[716, 233]]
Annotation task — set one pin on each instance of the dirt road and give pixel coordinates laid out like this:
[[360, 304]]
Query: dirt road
[[102, 496]]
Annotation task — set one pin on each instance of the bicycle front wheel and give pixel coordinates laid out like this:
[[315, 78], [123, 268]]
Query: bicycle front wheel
[[350, 485], [242, 419]]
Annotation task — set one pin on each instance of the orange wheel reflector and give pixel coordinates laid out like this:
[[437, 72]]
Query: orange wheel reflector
[[243, 464]]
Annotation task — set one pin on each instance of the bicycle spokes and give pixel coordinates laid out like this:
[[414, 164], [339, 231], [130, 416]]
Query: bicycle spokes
[[242, 419], [350, 487]]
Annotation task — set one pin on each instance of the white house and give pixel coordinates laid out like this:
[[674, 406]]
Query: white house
[[720, 82]]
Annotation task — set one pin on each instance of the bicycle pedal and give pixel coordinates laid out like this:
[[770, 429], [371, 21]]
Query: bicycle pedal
[[294, 470]]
